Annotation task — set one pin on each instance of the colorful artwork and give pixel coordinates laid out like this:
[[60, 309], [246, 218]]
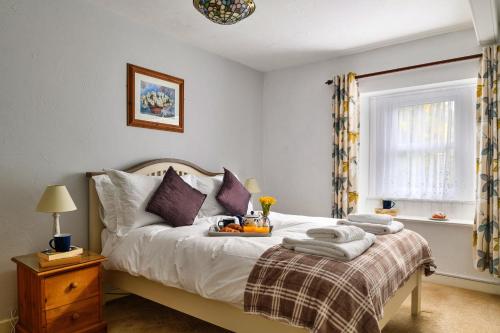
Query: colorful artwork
[[155, 100]]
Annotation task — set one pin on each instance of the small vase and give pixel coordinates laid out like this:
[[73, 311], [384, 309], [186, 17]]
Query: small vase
[[266, 222]]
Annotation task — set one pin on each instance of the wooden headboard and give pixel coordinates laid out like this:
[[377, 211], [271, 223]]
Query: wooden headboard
[[149, 168]]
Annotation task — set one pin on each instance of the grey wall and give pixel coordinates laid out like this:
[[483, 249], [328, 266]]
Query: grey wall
[[63, 112], [297, 135], [297, 113]]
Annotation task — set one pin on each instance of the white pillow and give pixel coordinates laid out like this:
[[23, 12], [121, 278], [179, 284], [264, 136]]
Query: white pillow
[[250, 206], [132, 194], [106, 193], [209, 186]]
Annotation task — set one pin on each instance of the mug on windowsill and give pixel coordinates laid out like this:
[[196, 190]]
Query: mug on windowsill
[[388, 204]]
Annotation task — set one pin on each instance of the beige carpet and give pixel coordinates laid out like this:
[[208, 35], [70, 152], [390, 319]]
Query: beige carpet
[[444, 309]]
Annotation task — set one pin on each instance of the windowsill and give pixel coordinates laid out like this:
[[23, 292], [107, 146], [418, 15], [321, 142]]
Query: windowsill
[[419, 219], [470, 202]]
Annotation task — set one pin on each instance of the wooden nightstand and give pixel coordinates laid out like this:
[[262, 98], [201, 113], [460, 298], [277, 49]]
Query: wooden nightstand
[[60, 299]]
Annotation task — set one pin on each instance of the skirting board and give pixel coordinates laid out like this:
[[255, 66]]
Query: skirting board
[[459, 282], [5, 326]]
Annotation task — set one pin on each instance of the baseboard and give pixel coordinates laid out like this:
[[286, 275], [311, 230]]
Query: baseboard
[[5, 326], [464, 282]]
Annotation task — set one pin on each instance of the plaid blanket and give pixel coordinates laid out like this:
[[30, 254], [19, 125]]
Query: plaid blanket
[[324, 295]]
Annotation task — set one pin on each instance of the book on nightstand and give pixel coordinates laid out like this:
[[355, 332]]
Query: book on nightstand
[[60, 262], [51, 258], [50, 255]]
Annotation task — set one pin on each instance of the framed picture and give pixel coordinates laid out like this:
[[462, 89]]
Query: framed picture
[[154, 100]]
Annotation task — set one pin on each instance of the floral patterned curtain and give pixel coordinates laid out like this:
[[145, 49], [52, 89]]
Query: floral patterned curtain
[[345, 113], [486, 231]]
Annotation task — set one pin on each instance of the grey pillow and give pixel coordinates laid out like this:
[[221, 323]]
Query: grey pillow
[[233, 196], [175, 201]]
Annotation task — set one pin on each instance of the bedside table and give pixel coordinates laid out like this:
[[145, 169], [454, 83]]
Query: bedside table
[[60, 299]]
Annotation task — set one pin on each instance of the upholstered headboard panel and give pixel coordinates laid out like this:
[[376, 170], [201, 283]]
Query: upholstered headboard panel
[[150, 168]]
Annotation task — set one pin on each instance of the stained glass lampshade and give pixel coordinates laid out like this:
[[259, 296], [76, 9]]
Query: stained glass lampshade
[[225, 11]]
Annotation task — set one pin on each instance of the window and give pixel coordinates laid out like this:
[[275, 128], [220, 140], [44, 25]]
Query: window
[[422, 144]]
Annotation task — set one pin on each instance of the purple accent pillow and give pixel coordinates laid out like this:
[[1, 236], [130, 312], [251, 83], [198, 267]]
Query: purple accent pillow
[[233, 196], [175, 201]]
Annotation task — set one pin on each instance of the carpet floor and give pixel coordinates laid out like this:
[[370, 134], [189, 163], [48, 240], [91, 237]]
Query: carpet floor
[[444, 309]]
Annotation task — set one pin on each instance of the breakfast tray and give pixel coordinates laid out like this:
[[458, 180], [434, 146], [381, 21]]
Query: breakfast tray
[[212, 232]]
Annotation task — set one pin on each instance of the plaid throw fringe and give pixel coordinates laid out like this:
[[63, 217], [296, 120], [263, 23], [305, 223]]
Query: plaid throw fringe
[[327, 296]]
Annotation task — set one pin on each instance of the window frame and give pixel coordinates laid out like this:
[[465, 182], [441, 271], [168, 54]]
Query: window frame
[[463, 93]]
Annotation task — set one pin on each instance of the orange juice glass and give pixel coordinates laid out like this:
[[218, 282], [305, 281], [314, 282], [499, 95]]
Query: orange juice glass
[[249, 228]]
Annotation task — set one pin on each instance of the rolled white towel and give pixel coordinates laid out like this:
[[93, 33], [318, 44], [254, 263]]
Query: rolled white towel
[[383, 219], [377, 229], [337, 233], [339, 251]]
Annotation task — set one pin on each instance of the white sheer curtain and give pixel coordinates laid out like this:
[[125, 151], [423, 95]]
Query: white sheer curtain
[[422, 145]]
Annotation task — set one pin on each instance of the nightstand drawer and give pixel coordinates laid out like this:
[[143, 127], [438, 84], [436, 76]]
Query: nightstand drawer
[[73, 317], [69, 287]]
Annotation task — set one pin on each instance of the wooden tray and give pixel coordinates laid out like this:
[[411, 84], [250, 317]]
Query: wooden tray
[[212, 232]]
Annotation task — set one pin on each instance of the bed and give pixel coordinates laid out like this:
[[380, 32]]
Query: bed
[[197, 301]]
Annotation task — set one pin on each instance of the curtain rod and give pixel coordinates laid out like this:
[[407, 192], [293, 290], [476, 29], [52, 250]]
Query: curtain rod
[[427, 64]]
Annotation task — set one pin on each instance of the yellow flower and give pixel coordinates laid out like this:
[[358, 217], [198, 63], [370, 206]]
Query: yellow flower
[[353, 196], [346, 106], [479, 90], [266, 203], [267, 200], [345, 166], [351, 77], [353, 137]]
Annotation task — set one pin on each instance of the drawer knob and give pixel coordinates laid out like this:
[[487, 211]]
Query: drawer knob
[[75, 316], [73, 285]]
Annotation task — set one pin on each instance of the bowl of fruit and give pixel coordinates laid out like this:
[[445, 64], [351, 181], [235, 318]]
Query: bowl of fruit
[[439, 216]]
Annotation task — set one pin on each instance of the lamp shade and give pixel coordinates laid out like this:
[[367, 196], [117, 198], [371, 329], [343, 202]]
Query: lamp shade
[[252, 186], [55, 199]]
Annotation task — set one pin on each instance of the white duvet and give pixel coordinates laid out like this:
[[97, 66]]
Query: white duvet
[[187, 258]]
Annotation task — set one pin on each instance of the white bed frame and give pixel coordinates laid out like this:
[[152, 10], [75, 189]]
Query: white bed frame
[[216, 312]]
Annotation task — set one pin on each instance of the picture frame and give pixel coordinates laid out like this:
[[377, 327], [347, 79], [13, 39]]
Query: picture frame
[[154, 100]]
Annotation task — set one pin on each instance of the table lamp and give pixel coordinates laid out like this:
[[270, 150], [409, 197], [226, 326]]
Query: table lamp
[[55, 200], [252, 186]]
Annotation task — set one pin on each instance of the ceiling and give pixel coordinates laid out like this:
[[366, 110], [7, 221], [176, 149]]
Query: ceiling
[[485, 14], [284, 33]]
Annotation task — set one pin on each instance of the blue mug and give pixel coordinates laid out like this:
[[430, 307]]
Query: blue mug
[[61, 242], [388, 204]]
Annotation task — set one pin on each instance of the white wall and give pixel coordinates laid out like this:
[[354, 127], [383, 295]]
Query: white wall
[[297, 131], [297, 114], [63, 112], [451, 247]]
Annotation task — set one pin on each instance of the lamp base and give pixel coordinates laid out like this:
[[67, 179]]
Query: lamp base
[[56, 228]]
